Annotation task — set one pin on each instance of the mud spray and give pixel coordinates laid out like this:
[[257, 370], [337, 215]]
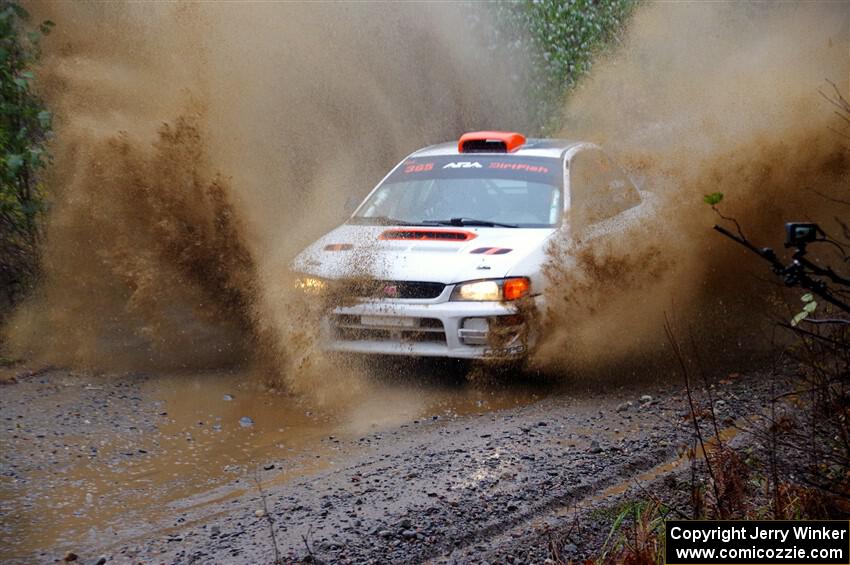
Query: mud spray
[[199, 146], [702, 97]]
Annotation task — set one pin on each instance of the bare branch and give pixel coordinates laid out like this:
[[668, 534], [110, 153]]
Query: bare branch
[[677, 351], [826, 321], [268, 516]]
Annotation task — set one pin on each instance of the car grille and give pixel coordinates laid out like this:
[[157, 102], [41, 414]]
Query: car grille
[[349, 327], [408, 289]]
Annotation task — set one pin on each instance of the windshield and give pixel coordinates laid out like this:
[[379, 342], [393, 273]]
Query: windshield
[[490, 191]]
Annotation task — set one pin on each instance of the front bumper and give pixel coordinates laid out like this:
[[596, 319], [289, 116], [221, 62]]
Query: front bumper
[[432, 329]]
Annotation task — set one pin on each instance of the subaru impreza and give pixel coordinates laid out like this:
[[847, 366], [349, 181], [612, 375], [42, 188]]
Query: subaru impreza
[[445, 255]]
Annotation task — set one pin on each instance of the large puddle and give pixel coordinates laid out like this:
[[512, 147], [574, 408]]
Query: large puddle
[[210, 437]]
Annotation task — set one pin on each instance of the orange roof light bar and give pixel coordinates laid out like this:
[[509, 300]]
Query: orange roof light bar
[[490, 142]]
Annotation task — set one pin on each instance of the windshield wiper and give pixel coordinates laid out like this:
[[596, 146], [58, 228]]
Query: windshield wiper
[[379, 221], [469, 222]]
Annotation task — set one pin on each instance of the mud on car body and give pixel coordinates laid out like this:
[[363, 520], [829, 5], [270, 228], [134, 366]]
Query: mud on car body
[[445, 256]]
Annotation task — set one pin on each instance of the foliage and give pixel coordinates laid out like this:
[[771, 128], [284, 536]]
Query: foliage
[[713, 199], [815, 445], [636, 536], [25, 127], [809, 307], [559, 38]]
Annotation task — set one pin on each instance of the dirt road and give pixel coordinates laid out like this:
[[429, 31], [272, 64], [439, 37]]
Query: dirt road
[[139, 468]]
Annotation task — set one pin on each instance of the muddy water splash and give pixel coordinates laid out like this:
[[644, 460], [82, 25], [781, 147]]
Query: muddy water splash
[[168, 243], [199, 146], [702, 98]]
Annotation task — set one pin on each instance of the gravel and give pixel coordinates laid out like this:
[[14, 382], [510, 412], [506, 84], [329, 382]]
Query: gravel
[[485, 487]]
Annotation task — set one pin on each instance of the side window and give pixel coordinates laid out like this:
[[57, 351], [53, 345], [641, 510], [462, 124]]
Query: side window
[[598, 188]]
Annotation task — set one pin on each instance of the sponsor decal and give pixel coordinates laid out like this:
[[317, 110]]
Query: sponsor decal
[[505, 351], [418, 167], [391, 290], [539, 169], [519, 167]]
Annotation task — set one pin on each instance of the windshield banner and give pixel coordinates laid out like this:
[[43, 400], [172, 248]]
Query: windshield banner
[[544, 170]]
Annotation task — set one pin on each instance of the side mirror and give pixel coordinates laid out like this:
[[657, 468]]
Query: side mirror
[[351, 203]]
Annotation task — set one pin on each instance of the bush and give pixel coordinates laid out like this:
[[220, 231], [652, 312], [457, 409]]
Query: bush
[[24, 130], [559, 38]]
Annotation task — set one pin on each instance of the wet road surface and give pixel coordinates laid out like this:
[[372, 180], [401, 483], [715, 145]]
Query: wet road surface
[[88, 459], [168, 468]]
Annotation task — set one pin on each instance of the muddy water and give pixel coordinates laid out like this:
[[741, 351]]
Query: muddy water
[[88, 475]]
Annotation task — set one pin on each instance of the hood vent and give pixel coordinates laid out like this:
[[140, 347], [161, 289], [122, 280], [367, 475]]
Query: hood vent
[[428, 234], [491, 251]]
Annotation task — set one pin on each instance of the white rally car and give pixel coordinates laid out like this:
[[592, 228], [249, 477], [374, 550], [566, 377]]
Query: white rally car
[[445, 256]]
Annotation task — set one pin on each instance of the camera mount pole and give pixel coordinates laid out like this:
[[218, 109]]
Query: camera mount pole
[[795, 274]]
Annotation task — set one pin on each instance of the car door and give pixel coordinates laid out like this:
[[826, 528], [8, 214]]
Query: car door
[[599, 189]]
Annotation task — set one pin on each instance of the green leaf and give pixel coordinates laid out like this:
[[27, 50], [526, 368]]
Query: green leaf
[[14, 163], [35, 157], [19, 11], [713, 199], [44, 119], [810, 307], [31, 208], [799, 318], [808, 297]]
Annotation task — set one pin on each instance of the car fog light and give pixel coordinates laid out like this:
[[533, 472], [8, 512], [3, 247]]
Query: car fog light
[[476, 324], [474, 331]]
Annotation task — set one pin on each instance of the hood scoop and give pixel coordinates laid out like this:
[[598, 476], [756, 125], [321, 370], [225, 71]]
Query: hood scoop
[[428, 234]]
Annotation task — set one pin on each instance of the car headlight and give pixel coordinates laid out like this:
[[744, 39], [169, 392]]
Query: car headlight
[[492, 290], [310, 285]]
